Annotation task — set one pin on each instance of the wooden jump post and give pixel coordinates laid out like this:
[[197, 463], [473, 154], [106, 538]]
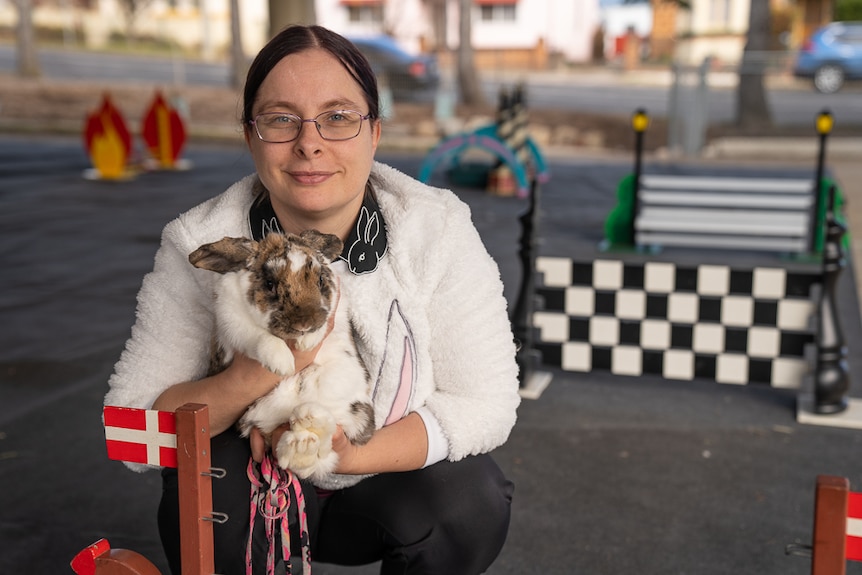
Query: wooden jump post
[[837, 527], [143, 436]]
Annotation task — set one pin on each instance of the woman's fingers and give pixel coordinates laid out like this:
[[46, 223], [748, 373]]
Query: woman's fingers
[[258, 445]]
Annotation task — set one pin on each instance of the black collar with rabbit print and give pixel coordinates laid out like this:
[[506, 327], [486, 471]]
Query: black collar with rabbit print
[[365, 246]]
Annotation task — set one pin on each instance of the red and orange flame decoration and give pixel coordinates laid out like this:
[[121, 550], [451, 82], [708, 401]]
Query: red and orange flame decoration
[[164, 132], [107, 140]]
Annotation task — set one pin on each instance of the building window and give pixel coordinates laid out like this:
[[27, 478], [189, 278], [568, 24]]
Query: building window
[[498, 12], [365, 14], [720, 13]]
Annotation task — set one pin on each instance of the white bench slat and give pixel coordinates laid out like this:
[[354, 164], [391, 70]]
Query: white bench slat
[[718, 183], [767, 214], [720, 228], [652, 197], [730, 242], [723, 221]]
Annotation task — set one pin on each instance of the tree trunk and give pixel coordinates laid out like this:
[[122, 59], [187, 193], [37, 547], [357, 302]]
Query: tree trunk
[[28, 59], [285, 12], [238, 64], [752, 108], [469, 88]]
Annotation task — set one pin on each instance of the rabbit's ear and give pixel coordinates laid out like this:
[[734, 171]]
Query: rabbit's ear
[[372, 227], [225, 255], [329, 245]]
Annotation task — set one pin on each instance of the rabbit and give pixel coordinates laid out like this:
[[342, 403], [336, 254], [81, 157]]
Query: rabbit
[[282, 288]]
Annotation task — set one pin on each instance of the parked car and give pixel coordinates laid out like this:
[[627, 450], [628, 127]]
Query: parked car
[[832, 55], [410, 78]]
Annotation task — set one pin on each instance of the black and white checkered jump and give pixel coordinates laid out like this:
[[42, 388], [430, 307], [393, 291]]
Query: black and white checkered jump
[[681, 322]]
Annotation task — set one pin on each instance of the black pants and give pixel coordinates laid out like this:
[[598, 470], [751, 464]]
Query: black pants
[[448, 519]]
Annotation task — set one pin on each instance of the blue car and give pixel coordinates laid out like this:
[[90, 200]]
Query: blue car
[[411, 78], [832, 55]]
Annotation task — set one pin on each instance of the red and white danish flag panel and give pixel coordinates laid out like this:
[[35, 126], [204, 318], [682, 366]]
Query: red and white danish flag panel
[[141, 435], [854, 526]]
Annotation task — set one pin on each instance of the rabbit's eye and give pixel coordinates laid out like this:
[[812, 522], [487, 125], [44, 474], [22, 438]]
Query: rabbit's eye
[[270, 285]]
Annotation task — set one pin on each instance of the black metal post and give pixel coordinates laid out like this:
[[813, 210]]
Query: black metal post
[[504, 115], [831, 380], [520, 128], [522, 316], [640, 120], [824, 127]]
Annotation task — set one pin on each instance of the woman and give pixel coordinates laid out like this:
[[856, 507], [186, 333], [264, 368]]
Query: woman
[[422, 495]]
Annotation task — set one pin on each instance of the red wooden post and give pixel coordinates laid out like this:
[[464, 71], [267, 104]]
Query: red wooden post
[[830, 526], [195, 487]]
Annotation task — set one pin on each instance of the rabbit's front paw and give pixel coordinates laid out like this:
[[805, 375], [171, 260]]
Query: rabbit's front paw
[[314, 418], [274, 355], [298, 451], [307, 448], [310, 340]]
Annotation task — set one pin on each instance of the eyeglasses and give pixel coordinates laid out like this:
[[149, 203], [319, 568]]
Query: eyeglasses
[[336, 125]]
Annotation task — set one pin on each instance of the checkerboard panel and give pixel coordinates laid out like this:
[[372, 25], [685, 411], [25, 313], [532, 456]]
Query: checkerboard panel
[[734, 326]]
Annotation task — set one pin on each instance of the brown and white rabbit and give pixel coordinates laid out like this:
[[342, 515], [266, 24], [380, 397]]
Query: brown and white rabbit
[[282, 288]]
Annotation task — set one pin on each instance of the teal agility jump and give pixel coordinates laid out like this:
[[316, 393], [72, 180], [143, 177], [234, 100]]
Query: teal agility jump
[[506, 139], [449, 150]]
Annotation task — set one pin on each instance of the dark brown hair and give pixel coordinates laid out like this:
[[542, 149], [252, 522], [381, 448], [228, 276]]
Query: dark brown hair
[[294, 39]]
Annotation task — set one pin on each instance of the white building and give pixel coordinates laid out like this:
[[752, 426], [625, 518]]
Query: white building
[[506, 33], [715, 28]]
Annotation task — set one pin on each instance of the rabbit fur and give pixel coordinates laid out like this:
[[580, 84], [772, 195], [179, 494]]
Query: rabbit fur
[[282, 288]]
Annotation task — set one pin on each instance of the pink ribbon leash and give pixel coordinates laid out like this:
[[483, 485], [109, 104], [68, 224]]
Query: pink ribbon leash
[[270, 494]]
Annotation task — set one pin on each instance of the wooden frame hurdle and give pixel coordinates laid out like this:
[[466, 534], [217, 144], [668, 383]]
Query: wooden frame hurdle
[[195, 476]]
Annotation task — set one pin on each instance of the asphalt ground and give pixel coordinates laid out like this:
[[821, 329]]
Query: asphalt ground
[[613, 475]]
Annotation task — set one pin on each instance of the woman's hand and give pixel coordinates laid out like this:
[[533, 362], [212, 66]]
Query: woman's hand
[[348, 453], [401, 446], [340, 444]]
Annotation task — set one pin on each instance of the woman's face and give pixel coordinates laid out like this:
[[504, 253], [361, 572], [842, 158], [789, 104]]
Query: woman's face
[[313, 182]]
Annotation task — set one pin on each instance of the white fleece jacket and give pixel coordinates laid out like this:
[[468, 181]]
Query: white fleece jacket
[[432, 323]]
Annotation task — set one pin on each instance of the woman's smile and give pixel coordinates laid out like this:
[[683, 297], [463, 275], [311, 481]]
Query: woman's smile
[[310, 178]]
